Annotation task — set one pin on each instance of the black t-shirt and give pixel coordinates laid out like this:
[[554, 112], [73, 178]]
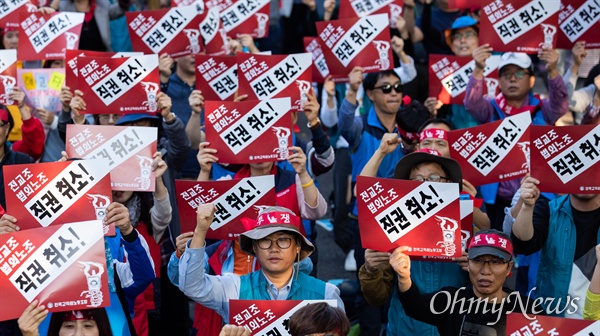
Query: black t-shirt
[[456, 311], [90, 38], [586, 226]]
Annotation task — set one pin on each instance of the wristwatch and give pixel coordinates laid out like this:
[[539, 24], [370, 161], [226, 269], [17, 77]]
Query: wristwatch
[[315, 126], [172, 120]]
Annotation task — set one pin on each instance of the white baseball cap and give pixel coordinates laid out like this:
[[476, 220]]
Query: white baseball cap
[[519, 59]]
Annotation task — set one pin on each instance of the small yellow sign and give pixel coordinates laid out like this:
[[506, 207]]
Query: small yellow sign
[[29, 81], [56, 81]]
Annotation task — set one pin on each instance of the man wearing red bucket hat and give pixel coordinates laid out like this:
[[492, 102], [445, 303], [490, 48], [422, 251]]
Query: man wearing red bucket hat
[[275, 239]]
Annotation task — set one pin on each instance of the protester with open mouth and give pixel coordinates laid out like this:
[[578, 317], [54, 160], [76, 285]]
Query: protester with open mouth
[[478, 309]]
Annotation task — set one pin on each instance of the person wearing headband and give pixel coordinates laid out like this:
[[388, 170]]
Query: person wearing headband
[[477, 309], [277, 242], [376, 276], [86, 322]]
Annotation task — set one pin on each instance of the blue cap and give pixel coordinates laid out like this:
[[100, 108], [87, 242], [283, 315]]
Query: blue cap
[[128, 118], [459, 23], [464, 22]]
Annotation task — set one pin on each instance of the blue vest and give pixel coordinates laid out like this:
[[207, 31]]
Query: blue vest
[[489, 191], [254, 286], [556, 265], [429, 276]]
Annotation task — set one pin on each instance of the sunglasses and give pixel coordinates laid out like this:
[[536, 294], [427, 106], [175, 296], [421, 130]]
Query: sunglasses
[[387, 88]]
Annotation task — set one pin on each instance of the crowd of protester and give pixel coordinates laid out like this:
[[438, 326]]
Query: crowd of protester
[[373, 125]]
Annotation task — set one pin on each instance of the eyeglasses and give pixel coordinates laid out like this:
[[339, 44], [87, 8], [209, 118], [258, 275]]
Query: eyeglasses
[[495, 263], [387, 88], [430, 178], [107, 117], [467, 35], [266, 243], [519, 74]]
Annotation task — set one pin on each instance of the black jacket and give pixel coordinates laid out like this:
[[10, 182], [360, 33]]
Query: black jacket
[[455, 311]]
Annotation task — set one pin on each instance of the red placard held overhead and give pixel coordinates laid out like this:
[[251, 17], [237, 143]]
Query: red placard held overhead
[[48, 36], [566, 159], [493, 152], [172, 31], [249, 131], [213, 33], [233, 199], [320, 70], [449, 75], [71, 72], [267, 317], [119, 85], [522, 325], [11, 11], [519, 25], [128, 151], [422, 215], [8, 75], [363, 42], [466, 232], [359, 8], [579, 20], [216, 76], [245, 17], [61, 266], [264, 77], [43, 194]]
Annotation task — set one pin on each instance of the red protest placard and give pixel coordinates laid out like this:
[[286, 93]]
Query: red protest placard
[[464, 4], [42, 87], [128, 151], [566, 159], [521, 325], [173, 31], [55, 193], [213, 33], [216, 76], [422, 215], [272, 76], [350, 43], [358, 8], [579, 20], [11, 11], [493, 152], [8, 75], [267, 317], [233, 199], [176, 3], [249, 131], [449, 75], [320, 70], [119, 85], [62, 266], [245, 17], [71, 72], [466, 232], [519, 25], [48, 36]]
